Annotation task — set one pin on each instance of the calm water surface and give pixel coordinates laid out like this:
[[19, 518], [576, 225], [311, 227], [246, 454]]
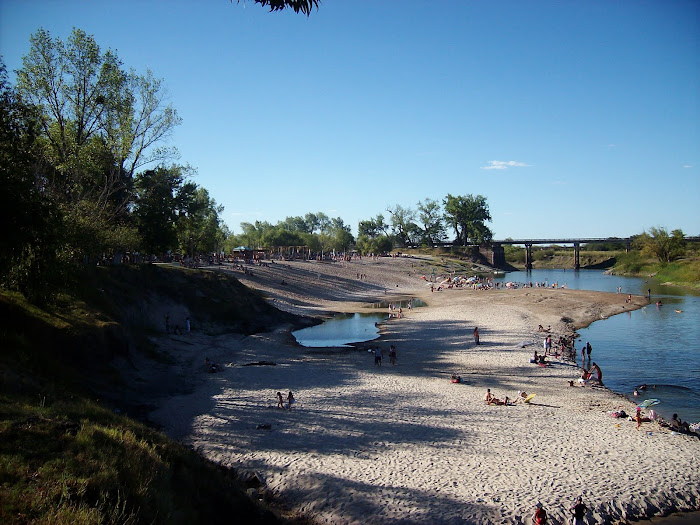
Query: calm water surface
[[655, 345], [341, 330]]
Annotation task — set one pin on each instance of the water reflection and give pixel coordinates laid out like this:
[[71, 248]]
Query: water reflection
[[404, 303], [341, 330]]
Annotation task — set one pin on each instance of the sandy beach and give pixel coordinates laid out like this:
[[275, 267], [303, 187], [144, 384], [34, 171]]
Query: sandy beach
[[402, 444]]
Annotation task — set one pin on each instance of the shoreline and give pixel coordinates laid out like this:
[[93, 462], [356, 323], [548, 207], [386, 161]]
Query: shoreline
[[402, 444]]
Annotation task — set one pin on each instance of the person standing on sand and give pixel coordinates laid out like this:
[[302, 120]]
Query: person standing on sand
[[579, 511], [540, 516], [280, 400], [476, 335], [290, 400], [377, 357], [599, 372], [392, 354]]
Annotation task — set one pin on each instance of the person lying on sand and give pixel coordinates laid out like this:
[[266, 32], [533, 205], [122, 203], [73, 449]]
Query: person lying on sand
[[490, 399], [522, 395]]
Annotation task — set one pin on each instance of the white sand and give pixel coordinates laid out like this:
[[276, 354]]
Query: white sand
[[402, 444]]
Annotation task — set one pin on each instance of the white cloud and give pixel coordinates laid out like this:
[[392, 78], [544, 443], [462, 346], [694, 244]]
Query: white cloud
[[687, 165], [504, 165]]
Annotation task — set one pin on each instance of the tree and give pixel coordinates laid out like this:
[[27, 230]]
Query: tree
[[297, 224], [159, 195], [431, 218], [341, 238], [198, 221], [373, 227], [303, 6], [252, 236], [99, 125], [402, 223], [660, 244], [32, 223], [376, 245], [467, 216]]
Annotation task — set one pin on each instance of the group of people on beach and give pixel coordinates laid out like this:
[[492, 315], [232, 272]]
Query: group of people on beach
[[379, 353], [490, 399], [578, 512], [290, 400]]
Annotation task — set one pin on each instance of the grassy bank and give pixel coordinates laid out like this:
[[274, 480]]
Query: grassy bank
[[65, 455], [683, 272]]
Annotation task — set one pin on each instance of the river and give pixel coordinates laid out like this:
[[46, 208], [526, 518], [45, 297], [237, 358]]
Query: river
[[657, 345]]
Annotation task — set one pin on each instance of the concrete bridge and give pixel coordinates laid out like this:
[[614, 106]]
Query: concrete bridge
[[498, 258]]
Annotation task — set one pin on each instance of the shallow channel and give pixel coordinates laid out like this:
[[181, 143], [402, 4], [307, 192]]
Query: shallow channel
[[341, 330]]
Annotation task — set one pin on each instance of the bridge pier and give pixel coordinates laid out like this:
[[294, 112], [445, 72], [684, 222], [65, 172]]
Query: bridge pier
[[498, 255], [528, 256], [577, 251]]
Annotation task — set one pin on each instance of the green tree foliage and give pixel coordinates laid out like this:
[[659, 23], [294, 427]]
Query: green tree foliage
[[29, 244], [662, 245], [198, 221], [404, 229], [376, 245], [373, 227], [432, 226], [99, 125], [373, 236], [341, 237], [467, 215], [160, 194]]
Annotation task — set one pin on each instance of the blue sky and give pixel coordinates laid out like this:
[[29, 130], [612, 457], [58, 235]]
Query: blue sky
[[572, 118]]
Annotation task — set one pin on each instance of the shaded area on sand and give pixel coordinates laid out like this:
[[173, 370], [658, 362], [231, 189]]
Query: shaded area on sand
[[403, 444]]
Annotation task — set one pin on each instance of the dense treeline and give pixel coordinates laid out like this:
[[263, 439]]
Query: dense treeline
[[77, 131], [89, 176]]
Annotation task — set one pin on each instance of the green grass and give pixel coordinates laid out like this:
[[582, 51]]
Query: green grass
[[682, 272], [76, 462]]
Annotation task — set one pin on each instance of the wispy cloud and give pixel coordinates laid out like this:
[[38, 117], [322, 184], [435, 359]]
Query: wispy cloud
[[504, 165], [687, 165]]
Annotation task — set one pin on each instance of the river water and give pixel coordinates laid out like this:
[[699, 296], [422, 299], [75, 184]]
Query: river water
[[656, 346]]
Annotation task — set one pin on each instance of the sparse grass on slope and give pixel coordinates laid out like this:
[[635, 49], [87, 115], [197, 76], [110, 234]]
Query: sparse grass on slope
[[66, 459], [76, 462]]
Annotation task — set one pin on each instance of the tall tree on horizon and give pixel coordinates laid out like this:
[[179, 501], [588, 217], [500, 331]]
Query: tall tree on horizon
[[467, 215], [431, 217]]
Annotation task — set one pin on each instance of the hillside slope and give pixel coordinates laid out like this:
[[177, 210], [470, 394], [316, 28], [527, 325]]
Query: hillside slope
[[67, 452]]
